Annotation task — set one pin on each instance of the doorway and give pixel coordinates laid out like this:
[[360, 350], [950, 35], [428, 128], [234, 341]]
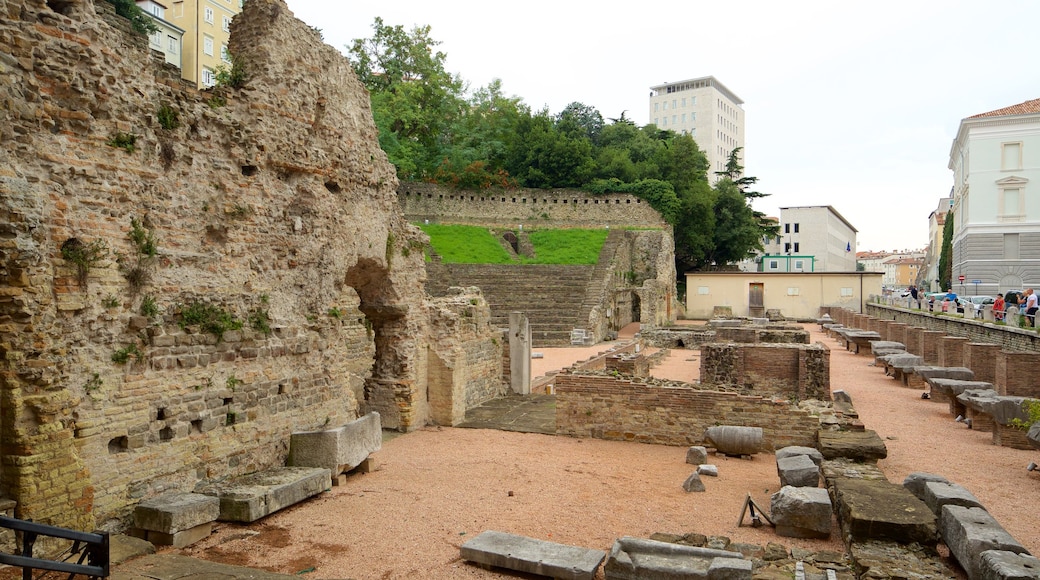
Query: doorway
[[756, 300]]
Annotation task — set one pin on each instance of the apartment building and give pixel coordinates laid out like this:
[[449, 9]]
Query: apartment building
[[705, 109], [995, 160], [207, 29], [168, 38]]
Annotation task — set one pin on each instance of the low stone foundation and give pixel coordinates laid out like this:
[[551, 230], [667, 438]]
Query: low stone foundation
[[787, 370]]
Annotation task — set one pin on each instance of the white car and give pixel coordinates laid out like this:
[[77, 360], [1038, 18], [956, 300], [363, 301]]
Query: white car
[[975, 303]]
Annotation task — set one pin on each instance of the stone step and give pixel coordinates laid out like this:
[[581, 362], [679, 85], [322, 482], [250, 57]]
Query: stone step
[[250, 497], [532, 556]]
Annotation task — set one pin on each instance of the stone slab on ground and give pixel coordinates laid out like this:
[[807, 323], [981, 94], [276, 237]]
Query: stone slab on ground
[[863, 445], [798, 471], [641, 559], [916, 481], [1004, 565], [801, 512], [792, 450], [251, 497], [176, 567], [881, 559], [170, 513], [971, 531], [935, 372], [340, 449], [533, 556], [879, 510], [937, 494], [953, 387]]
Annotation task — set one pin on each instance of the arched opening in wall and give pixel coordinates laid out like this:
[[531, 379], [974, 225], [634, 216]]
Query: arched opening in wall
[[636, 308], [387, 390], [513, 241]]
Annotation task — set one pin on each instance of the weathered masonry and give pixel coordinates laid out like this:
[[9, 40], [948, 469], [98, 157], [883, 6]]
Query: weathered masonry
[[188, 277]]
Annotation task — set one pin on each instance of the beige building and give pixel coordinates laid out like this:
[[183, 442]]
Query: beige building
[[207, 29], [167, 39], [705, 109], [796, 294]]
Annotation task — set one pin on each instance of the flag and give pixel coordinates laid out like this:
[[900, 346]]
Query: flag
[[848, 246]]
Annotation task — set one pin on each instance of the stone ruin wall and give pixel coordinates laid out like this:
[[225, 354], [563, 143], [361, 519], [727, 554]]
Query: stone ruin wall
[[770, 370], [622, 409], [276, 199]]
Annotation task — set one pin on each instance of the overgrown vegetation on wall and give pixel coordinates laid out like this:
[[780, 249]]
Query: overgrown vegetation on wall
[[460, 244]]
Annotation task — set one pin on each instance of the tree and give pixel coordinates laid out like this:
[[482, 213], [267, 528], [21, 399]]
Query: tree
[[946, 255], [415, 100], [542, 156], [581, 119]]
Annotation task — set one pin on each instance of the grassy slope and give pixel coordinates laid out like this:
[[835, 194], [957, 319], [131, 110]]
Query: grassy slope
[[457, 244]]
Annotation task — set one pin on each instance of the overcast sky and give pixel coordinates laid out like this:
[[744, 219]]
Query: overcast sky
[[853, 105]]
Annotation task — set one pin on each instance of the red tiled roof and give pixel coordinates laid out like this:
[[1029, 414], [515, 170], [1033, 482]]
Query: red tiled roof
[[1025, 108]]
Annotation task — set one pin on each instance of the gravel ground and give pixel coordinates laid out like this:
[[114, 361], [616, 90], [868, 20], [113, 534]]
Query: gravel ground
[[435, 488]]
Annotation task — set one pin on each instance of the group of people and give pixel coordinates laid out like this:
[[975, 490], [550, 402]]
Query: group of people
[[1028, 301]]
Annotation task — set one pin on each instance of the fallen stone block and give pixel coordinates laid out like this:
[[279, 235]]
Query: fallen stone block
[[879, 510], [864, 445], [915, 482], [708, 469], [251, 497], [840, 396], [639, 559], [801, 512], [1004, 565], [532, 556], [891, 346], [938, 494], [792, 450], [798, 471], [693, 483], [175, 519], [696, 455], [734, 440], [339, 450], [971, 531]]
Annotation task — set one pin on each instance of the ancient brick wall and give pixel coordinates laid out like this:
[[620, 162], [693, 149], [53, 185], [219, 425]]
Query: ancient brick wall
[[1010, 338], [605, 407], [769, 370], [270, 203]]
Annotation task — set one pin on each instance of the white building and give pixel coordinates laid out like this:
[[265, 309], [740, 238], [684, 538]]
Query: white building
[[167, 39], [705, 109], [995, 161], [821, 232]]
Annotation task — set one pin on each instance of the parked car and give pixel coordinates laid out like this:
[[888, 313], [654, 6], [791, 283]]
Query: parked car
[[972, 305], [1011, 297], [933, 299]]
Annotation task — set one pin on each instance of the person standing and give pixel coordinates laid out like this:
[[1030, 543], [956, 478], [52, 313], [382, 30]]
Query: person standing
[[915, 295], [1031, 306], [998, 307]]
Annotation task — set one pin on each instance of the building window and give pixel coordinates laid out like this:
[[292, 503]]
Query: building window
[[799, 265], [664, 105], [673, 103], [224, 54], [1012, 204], [227, 24], [209, 15], [791, 291], [208, 78], [1011, 156], [655, 106], [703, 290], [172, 44], [774, 265], [674, 117], [787, 248], [787, 228], [796, 247], [684, 117], [158, 11], [796, 228], [693, 100], [155, 39], [693, 132], [693, 116], [684, 101], [1011, 247], [207, 45], [846, 292]]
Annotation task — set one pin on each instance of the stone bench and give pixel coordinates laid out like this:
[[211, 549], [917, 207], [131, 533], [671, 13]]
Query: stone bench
[[532, 556], [947, 390], [989, 411], [637, 559], [896, 365], [885, 347], [860, 341], [921, 374], [175, 519], [339, 450], [250, 497], [971, 531]]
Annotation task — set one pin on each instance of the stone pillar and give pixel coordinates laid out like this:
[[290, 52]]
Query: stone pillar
[[981, 358], [1014, 374], [882, 328], [519, 353], [915, 340], [951, 351], [897, 331], [930, 346]]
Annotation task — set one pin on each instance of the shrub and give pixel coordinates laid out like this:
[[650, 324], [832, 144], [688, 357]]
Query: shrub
[[209, 318], [124, 141], [168, 118], [83, 256], [148, 307], [122, 356]]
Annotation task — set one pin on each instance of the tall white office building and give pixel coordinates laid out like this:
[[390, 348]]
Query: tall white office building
[[705, 109]]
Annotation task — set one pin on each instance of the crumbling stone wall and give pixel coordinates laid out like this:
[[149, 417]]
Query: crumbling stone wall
[[270, 203], [769, 370], [622, 409]]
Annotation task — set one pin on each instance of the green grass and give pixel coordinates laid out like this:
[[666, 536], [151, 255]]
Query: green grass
[[458, 244], [567, 246], [466, 245]]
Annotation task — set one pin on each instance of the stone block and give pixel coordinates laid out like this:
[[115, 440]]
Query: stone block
[[532, 556], [734, 440], [696, 455], [1004, 565], [915, 482], [970, 531], [182, 538], [859, 445], [708, 469], [801, 512], [938, 494], [641, 559], [879, 510], [798, 471], [1034, 435], [251, 497], [340, 449], [790, 451], [693, 483], [173, 512]]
